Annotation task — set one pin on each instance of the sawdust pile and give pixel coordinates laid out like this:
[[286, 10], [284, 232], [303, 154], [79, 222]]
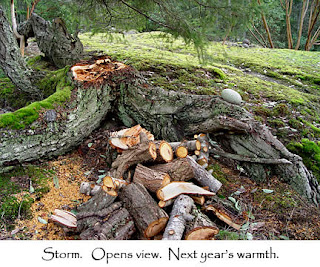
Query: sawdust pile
[[70, 174]]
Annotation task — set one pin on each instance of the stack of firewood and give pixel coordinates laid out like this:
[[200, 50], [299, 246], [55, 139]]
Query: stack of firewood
[[148, 180]]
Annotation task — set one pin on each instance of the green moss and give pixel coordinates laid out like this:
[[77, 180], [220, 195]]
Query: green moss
[[218, 173], [276, 123], [281, 109], [227, 235], [310, 153], [262, 111], [12, 206], [23, 117]]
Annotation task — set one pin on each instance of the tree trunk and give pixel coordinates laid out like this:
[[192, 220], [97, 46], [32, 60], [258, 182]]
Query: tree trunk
[[11, 60], [53, 39]]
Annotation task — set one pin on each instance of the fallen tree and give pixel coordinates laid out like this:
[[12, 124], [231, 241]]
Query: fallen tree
[[101, 86]]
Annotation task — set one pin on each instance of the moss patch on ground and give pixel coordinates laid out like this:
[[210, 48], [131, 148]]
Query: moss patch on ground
[[18, 190]]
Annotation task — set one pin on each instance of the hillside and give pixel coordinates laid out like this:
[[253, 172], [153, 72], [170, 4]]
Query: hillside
[[280, 87]]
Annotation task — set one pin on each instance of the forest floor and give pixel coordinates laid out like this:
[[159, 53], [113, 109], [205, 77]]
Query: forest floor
[[280, 87]]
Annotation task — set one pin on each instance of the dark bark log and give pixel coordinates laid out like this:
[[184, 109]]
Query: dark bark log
[[98, 202], [111, 223], [179, 216], [11, 60], [140, 153], [178, 169], [150, 179], [148, 217], [53, 39]]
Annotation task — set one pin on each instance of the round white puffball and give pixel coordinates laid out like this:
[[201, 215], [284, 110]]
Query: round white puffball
[[231, 96]]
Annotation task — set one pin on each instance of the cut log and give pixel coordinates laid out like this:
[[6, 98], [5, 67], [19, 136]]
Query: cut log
[[64, 218], [129, 137], [111, 223], [179, 216], [175, 189], [150, 179], [164, 152], [99, 201], [203, 177], [163, 204], [201, 227], [181, 152], [140, 153], [89, 189], [178, 169], [199, 200], [149, 218]]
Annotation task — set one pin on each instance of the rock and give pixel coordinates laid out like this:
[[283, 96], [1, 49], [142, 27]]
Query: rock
[[231, 96], [245, 45], [246, 41]]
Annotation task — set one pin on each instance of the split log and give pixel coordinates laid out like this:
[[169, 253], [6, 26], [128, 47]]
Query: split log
[[150, 179], [179, 216], [178, 169], [225, 211], [175, 189], [200, 227], [163, 204], [111, 223], [98, 202], [149, 218], [140, 153], [64, 218], [204, 177]]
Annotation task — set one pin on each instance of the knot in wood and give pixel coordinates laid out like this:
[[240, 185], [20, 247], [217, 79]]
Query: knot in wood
[[51, 115]]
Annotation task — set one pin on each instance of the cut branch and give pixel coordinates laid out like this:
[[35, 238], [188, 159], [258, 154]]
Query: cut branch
[[151, 179], [179, 216], [149, 218]]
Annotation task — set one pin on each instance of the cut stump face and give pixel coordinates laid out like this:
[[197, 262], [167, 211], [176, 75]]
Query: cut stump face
[[98, 70]]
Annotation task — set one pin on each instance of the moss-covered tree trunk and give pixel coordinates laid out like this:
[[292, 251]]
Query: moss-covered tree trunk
[[11, 61]]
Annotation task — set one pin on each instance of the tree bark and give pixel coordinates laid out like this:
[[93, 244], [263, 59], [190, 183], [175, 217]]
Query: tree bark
[[111, 223], [149, 218], [149, 178], [179, 216], [53, 39], [200, 227], [178, 169], [11, 60]]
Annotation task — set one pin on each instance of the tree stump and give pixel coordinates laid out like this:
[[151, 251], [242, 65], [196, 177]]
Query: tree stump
[[149, 218]]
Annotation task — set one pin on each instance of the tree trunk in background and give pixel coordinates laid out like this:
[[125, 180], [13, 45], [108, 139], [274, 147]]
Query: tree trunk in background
[[59, 46], [11, 60], [265, 25]]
